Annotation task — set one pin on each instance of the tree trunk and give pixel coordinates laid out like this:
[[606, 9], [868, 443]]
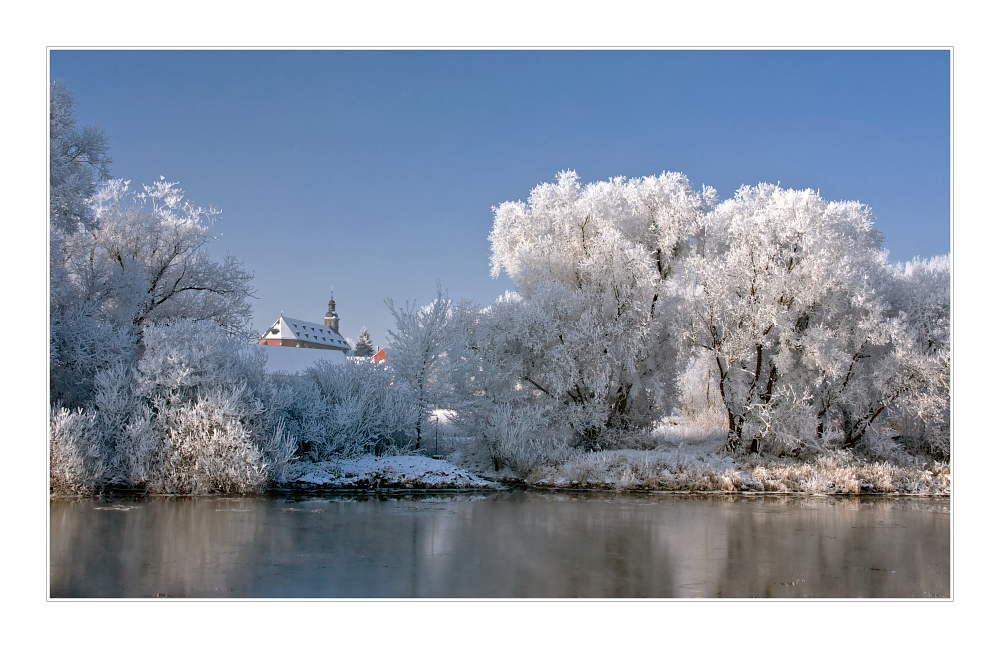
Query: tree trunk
[[734, 439]]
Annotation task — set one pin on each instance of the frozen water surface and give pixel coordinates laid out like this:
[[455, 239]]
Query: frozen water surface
[[509, 544]]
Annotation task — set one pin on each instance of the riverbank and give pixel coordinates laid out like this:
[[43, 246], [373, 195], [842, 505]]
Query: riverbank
[[681, 470], [829, 474]]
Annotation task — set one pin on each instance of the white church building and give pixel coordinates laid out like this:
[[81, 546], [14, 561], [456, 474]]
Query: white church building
[[293, 344]]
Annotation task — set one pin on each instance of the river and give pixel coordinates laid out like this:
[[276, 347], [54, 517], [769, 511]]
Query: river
[[509, 545]]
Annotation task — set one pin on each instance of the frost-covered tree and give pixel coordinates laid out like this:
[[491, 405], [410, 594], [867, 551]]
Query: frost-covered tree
[[881, 358], [593, 266], [510, 425], [363, 348], [145, 260], [78, 159], [788, 294], [765, 264], [922, 291], [419, 352], [81, 343], [132, 267], [152, 383], [921, 299]]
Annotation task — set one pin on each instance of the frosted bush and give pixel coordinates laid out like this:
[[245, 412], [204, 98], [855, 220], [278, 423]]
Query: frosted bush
[[220, 442], [209, 450], [188, 417], [113, 431], [364, 410], [296, 404], [75, 466], [937, 441], [129, 441], [279, 447], [191, 360], [511, 437]]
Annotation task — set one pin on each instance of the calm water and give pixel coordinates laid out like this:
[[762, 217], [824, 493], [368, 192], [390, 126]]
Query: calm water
[[515, 544]]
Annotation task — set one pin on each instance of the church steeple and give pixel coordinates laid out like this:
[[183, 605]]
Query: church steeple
[[331, 318]]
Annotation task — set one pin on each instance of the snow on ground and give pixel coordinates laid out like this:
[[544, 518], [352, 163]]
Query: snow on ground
[[651, 470], [385, 472], [692, 459]]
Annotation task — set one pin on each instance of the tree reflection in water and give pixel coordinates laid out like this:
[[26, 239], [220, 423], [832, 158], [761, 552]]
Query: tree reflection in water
[[513, 544]]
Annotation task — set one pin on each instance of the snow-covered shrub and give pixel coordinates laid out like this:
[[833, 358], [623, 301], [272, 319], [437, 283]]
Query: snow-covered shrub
[[208, 449], [511, 436], [130, 442], [188, 362], [365, 409], [516, 434], [936, 440], [296, 404], [188, 417], [75, 465], [279, 448]]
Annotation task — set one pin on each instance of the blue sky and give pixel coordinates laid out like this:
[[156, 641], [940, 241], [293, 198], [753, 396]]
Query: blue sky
[[376, 171]]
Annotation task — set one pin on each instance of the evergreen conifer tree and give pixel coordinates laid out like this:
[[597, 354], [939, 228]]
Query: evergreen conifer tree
[[364, 348]]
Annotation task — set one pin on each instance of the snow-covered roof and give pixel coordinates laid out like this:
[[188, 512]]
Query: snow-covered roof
[[312, 333]]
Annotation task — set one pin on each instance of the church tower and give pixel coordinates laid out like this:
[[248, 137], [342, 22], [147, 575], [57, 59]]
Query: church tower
[[331, 318]]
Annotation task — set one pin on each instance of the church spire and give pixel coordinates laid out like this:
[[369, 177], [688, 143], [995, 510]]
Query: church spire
[[331, 318]]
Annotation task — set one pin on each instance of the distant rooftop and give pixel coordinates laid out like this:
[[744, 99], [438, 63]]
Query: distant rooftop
[[300, 333]]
